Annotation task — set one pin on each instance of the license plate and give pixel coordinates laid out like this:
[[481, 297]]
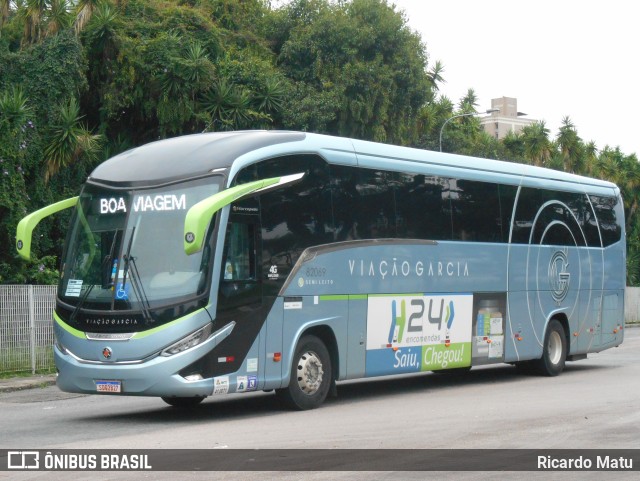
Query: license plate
[[109, 386]]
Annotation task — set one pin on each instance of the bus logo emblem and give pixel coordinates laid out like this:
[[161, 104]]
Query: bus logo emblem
[[106, 353], [558, 276]]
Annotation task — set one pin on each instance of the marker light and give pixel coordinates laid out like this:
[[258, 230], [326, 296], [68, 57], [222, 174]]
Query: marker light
[[277, 356], [189, 341]]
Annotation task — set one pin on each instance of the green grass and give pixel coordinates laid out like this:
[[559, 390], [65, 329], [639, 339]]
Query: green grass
[[17, 362]]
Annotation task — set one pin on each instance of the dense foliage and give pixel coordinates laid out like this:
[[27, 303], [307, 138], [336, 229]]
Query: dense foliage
[[81, 80]]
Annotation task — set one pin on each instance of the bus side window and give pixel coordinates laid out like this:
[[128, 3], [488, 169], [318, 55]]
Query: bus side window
[[608, 211]]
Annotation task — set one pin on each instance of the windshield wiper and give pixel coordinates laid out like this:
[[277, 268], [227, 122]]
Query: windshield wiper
[[80, 303], [138, 288], [107, 281], [104, 265]]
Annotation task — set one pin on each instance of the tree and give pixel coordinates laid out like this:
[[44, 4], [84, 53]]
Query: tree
[[84, 10], [33, 14], [361, 53], [571, 147], [5, 9], [229, 107], [68, 140], [15, 129], [59, 17], [537, 147]]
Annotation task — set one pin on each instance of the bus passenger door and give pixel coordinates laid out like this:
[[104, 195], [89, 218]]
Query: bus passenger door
[[357, 337], [240, 291]]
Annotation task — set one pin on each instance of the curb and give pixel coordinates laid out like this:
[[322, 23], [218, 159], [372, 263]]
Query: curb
[[19, 384]]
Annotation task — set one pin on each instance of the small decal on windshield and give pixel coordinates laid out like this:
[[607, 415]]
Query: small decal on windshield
[[122, 292], [73, 288]]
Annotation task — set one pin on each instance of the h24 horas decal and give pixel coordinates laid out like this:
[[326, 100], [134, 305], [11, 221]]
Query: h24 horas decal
[[418, 332]]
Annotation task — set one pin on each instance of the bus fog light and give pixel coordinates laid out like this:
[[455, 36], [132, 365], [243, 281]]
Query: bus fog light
[[194, 377], [189, 341]]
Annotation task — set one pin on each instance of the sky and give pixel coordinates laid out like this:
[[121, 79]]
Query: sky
[[559, 58]]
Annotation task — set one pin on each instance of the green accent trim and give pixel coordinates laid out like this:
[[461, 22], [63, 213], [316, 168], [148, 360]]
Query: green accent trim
[[142, 334], [336, 297], [67, 327], [137, 335], [419, 294], [358, 297], [199, 216], [24, 231]]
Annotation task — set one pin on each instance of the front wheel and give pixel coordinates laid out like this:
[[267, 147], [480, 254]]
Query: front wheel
[[183, 402], [554, 351], [311, 375]]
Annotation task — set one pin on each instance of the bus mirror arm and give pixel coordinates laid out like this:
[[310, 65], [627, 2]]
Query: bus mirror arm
[[24, 231], [199, 216]]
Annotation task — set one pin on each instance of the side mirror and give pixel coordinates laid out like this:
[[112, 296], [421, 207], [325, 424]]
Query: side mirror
[[24, 231], [198, 217]]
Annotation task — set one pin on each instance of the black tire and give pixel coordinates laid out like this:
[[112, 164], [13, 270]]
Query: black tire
[[311, 375], [183, 402], [554, 351]]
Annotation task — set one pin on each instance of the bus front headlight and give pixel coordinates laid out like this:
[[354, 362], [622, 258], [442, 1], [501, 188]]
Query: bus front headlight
[[189, 341]]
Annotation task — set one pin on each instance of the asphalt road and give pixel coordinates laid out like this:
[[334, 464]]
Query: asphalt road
[[595, 403]]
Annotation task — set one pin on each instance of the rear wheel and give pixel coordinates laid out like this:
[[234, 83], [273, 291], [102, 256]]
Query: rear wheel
[[183, 402], [554, 351], [310, 375]]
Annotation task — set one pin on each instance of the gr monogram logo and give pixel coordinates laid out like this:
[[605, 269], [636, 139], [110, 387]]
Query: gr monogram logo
[[559, 277]]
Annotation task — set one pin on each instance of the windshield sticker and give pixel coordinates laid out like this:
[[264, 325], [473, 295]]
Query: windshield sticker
[[73, 288], [122, 292]]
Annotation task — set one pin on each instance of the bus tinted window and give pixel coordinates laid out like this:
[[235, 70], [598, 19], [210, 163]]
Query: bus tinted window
[[297, 217], [476, 211], [608, 212], [423, 207], [557, 218], [376, 214], [507, 197], [344, 196]]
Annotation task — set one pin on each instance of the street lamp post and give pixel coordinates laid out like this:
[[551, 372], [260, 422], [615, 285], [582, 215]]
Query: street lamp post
[[489, 111]]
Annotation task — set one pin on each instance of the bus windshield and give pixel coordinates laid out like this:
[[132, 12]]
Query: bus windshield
[[125, 250]]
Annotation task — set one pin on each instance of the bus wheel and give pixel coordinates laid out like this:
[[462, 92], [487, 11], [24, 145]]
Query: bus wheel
[[183, 402], [310, 375], [554, 350]]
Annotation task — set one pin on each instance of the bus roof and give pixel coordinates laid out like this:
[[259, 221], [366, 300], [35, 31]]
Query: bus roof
[[192, 156]]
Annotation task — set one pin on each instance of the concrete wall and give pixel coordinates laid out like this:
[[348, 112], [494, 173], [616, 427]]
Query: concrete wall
[[632, 305]]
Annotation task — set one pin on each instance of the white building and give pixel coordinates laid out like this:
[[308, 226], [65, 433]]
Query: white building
[[507, 119]]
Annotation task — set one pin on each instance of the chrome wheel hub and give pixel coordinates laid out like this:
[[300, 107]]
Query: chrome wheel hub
[[309, 373]]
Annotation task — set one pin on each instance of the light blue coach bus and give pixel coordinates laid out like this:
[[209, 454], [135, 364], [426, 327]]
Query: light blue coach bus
[[242, 261]]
